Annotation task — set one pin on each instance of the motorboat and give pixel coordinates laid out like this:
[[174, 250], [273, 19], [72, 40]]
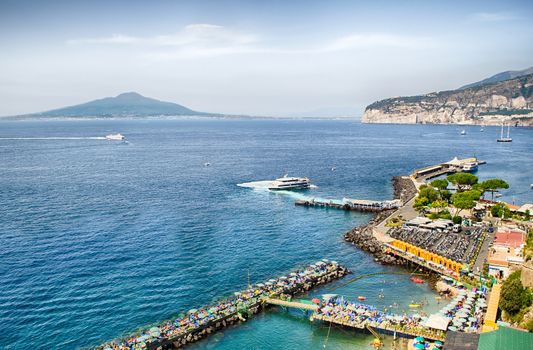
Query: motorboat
[[463, 132], [115, 137], [290, 183]]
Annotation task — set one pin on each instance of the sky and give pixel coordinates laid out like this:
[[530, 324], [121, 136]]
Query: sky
[[266, 58]]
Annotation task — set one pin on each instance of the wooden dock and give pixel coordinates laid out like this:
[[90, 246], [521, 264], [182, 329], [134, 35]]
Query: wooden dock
[[292, 304], [381, 328]]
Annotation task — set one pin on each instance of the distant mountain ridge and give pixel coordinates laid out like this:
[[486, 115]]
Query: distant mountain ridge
[[505, 101], [510, 74], [129, 104]]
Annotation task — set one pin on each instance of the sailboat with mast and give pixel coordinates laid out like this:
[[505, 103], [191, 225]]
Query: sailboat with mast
[[505, 139]]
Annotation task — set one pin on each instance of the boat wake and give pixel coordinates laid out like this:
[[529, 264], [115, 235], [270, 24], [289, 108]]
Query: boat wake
[[257, 185], [53, 138]]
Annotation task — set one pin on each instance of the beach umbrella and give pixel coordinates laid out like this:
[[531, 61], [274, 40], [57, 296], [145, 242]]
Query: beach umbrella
[[192, 311], [462, 320], [315, 300], [282, 278], [268, 283], [272, 280], [419, 339], [293, 274], [452, 328], [334, 262], [260, 285], [472, 319], [438, 343], [420, 346]]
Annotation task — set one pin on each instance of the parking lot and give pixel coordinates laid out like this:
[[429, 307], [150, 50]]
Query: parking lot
[[458, 246]]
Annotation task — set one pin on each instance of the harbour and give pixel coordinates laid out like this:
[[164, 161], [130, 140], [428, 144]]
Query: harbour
[[146, 280]]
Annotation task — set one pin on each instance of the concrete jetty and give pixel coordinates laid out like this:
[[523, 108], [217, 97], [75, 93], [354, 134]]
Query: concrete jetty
[[362, 205]]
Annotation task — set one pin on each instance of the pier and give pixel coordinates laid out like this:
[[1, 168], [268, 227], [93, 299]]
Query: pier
[[362, 205], [200, 323], [391, 325]]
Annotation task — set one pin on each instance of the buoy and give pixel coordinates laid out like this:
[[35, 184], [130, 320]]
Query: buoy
[[361, 298]]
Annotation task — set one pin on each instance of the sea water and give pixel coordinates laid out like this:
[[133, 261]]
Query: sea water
[[99, 238]]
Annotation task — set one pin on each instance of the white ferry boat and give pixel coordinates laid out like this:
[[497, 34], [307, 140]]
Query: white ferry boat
[[290, 183], [115, 137], [470, 167]]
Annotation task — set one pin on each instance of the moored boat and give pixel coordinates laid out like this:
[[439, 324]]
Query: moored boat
[[417, 280]]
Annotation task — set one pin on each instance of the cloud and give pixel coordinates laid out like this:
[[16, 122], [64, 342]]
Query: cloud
[[493, 16], [114, 39], [191, 35], [207, 40], [366, 40]]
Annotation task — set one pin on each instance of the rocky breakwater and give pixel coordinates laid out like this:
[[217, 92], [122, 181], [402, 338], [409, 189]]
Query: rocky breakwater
[[199, 323], [509, 101], [363, 236]]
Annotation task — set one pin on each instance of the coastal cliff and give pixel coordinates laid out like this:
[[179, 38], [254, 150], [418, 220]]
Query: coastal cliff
[[509, 101]]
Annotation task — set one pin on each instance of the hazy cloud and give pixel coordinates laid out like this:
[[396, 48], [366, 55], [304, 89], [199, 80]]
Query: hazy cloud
[[204, 40], [493, 16]]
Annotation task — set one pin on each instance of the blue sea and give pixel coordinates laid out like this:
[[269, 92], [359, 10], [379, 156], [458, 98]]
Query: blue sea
[[100, 238]]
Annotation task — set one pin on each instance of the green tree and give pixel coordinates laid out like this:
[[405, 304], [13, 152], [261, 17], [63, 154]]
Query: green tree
[[465, 200], [492, 185], [462, 180], [446, 195], [420, 203], [439, 204], [500, 210], [513, 295], [440, 184], [429, 192]]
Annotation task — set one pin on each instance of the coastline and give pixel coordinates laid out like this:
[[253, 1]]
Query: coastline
[[363, 236]]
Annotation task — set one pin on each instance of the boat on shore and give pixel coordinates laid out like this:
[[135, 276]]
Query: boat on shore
[[290, 183]]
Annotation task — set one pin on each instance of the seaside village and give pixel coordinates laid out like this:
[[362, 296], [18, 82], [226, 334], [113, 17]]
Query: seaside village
[[476, 249]]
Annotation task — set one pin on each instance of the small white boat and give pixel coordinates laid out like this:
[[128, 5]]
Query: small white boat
[[207, 164], [115, 137], [463, 132]]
